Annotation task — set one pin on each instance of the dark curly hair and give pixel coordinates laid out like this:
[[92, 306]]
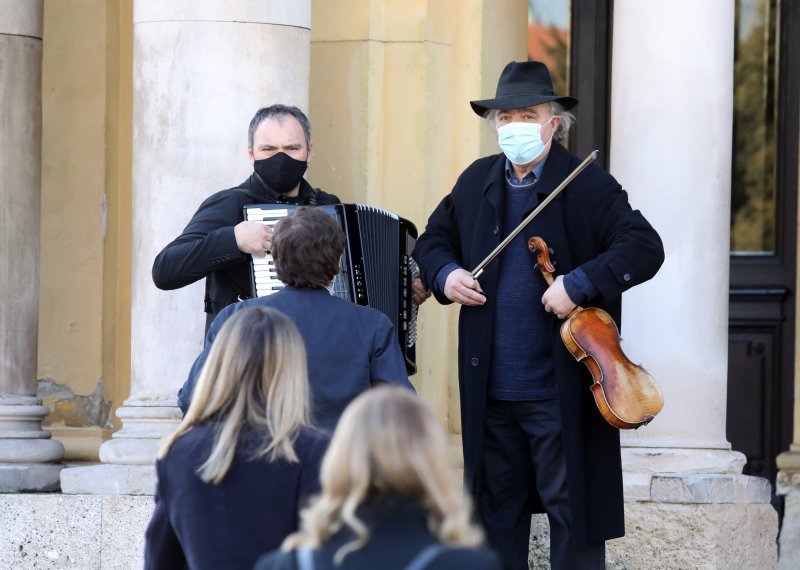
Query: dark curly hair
[[306, 246]]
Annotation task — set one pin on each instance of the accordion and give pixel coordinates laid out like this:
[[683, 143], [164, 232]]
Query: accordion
[[377, 268]]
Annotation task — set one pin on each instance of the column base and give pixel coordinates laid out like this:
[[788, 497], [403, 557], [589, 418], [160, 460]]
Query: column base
[[128, 457], [28, 456], [641, 464], [143, 428], [29, 478]]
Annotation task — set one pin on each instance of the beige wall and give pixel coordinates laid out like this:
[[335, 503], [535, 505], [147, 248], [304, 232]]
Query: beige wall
[[390, 86], [85, 244]]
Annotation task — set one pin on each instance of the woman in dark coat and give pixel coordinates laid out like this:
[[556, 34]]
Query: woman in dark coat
[[390, 498], [232, 478]]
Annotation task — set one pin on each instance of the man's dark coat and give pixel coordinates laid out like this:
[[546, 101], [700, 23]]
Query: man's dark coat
[[207, 246], [589, 225]]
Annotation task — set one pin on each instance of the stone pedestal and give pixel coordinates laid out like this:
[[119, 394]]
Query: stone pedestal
[[201, 70], [28, 457], [789, 486], [688, 521], [699, 521]]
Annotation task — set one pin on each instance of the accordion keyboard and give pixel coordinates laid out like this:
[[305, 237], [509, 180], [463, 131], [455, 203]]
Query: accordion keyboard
[[265, 277]]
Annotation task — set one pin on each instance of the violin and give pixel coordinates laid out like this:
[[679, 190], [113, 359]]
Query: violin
[[625, 393]]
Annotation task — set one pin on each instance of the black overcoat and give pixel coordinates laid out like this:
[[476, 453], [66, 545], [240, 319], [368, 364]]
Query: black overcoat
[[589, 225], [207, 246], [398, 531], [200, 525]]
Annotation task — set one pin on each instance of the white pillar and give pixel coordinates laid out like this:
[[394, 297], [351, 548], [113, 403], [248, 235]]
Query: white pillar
[[671, 136], [200, 71], [671, 129], [28, 457]]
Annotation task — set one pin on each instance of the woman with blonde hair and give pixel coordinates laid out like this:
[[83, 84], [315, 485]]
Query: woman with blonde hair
[[390, 497], [232, 477]]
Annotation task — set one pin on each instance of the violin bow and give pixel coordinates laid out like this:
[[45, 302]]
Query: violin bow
[[496, 251]]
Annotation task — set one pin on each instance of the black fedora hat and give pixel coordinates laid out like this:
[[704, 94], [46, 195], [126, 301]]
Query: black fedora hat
[[523, 84]]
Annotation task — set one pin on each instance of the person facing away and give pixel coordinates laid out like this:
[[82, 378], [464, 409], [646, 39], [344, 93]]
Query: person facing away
[[217, 243], [232, 477], [533, 439], [350, 347], [390, 497]]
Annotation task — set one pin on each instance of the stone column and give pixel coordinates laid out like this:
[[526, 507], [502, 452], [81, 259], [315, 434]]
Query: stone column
[[671, 117], [200, 71], [28, 457], [788, 483]]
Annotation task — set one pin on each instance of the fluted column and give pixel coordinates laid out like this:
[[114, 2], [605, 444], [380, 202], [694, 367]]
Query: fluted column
[[201, 70], [671, 133], [28, 457]]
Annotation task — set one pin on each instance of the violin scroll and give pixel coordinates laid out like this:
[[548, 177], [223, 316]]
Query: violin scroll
[[537, 246]]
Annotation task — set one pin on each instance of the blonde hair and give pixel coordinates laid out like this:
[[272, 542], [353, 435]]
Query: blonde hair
[[255, 377], [387, 441]]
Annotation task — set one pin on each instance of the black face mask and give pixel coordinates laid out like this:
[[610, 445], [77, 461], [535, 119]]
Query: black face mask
[[280, 171]]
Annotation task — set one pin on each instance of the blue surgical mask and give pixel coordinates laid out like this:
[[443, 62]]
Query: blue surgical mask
[[522, 142]]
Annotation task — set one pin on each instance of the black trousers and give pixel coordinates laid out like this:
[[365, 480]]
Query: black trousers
[[523, 446]]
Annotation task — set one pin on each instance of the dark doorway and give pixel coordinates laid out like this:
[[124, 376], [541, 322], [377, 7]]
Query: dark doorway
[[573, 37], [763, 232]]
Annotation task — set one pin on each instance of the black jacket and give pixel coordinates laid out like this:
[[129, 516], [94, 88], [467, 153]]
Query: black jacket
[[207, 246], [589, 225], [199, 525], [398, 531], [350, 348]]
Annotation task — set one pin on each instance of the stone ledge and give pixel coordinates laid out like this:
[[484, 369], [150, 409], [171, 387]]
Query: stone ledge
[[28, 478], [709, 488], [89, 532], [109, 480]]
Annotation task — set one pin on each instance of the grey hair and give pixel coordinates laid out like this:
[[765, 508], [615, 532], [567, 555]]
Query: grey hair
[[278, 111], [556, 110]]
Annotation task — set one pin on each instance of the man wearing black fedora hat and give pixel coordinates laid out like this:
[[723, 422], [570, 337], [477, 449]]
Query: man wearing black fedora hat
[[533, 439]]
